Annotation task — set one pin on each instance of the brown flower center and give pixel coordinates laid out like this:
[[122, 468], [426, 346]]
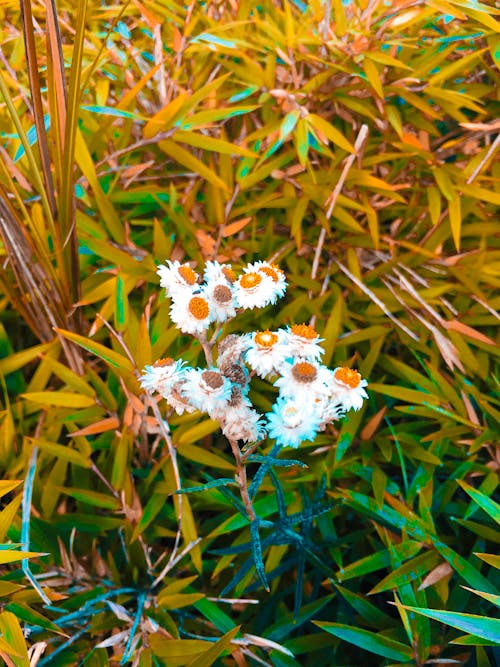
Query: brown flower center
[[304, 331], [348, 376], [304, 372], [187, 274], [222, 294], [228, 274], [265, 338], [198, 307], [167, 361], [250, 280], [212, 379]]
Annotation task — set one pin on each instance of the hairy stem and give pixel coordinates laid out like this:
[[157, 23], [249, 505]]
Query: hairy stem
[[241, 479]]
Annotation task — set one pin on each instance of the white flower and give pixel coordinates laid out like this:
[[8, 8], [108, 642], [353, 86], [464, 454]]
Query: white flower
[[303, 342], [191, 313], [292, 421], [162, 376], [266, 352], [207, 390], [242, 423], [220, 297], [177, 278], [273, 272], [304, 380], [254, 290], [215, 272], [347, 388], [177, 401], [329, 410]]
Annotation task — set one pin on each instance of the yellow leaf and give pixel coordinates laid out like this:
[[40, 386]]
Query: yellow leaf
[[455, 214], [373, 76], [162, 120], [330, 132], [211, 144], [187, 160], [65, 399]]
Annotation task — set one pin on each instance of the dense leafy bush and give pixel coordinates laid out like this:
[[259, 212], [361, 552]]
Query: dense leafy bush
[[352, 143]]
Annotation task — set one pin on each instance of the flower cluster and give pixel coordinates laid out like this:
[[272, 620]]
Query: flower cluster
[[310, 395]]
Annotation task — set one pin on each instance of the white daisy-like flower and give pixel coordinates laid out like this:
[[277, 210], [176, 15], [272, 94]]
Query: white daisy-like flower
[[347, 388], [243, 423], [177, 401], [272, 271], [177, 278], [191, 313], [162, 376], [303, 342], [254, 290], [304, 380], [329, 410], [215, 272], [220, 297], [292, 421], [266, 352], [207, 390]]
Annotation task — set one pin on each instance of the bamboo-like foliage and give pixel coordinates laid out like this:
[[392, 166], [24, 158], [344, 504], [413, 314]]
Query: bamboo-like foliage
[[354, 143]]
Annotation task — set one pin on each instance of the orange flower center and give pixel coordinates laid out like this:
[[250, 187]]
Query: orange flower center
[[304, 331], [269, 271], [167, 361], [187, 274], [250, 280], [265, 338], [228, 274], [348, 376], [304, 372], [198, 308]]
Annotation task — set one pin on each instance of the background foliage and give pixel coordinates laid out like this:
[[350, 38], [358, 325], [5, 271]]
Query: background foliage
[[354, 143]]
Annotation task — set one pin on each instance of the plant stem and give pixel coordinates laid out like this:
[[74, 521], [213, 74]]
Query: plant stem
[[241, 479]]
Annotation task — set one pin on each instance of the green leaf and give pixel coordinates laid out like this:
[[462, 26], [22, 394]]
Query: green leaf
[[485, 503], [208, 658], [111, 357], [480, 626], [370, 641], [91, 497], [33, 617], [378, 560], [65, 453]]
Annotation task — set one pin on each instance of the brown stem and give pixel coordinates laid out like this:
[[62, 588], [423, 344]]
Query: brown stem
[[241, 478], [207, 348]]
